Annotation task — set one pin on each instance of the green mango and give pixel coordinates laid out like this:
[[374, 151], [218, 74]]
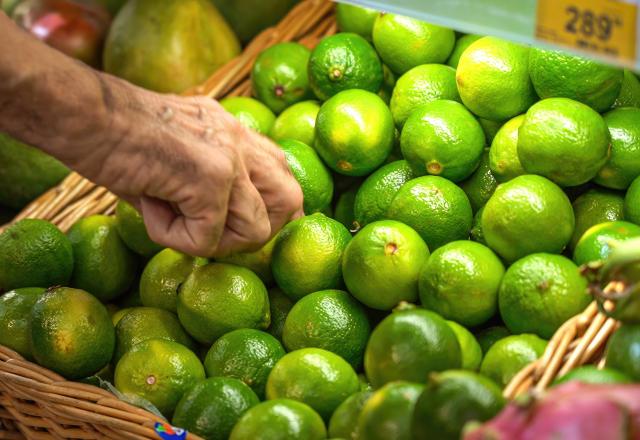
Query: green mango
[[249, 17], [168, 45], [25, 172]]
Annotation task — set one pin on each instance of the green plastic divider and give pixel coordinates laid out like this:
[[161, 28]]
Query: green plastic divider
[[514, 20]]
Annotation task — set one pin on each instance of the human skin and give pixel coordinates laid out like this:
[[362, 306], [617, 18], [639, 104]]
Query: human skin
[[204, 184]]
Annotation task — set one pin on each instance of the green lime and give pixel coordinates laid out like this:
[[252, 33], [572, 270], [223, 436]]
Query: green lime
[[525, 215], [258, 261], [329, 319], [388, 84], [245, 354], [629, 95], [480, 186], [421, 85], [452, 399], [144, 323], [623, 351], [103, 265], [599, 240], [387, 413], [461, 45], [493, 79], [540, 292], [442, 138], [279, 419], [160, 372], [117, 316], [297, 122], [469, 347], [356, 19], [71, 333], [279, 76], [344, 208], [364, 382], [15, 312], [490, 335], [593, 374], [250, 112], [163, 276], [509, 355], [556, 73], [26, 172], [312, 175], [563, 140], [307, 255], [213, 407], [130, 226], [503, 154], [476, 233], [631, 202], [319, 378], [34, 253], [354, 132], [408, 345], [624, 163], [218, 298], [593, 207], [460, 281], [280, 305], [344, 421], [341, 62], [378, 190], [382, 262], [490, 128], [404, 42], [436, 208]]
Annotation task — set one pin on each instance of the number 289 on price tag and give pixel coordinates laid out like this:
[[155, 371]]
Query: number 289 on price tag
[[603, 27]]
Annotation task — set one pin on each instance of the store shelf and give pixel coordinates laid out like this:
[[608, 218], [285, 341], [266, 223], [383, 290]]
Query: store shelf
[[518, 20]]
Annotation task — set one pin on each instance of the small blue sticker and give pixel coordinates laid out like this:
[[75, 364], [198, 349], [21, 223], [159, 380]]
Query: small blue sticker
[[168, 432]]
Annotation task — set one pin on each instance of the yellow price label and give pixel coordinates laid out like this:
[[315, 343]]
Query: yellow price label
[[604, 27]]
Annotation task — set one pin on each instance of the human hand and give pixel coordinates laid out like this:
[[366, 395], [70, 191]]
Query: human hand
[[205, 184]]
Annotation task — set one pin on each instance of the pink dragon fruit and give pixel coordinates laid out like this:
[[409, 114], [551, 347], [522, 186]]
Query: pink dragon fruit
[[573, 411]]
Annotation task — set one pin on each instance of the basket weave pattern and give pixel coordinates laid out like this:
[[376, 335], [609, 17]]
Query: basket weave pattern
[[38, 404]]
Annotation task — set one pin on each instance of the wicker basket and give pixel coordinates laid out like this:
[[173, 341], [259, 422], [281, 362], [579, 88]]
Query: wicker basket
[[38, 404]]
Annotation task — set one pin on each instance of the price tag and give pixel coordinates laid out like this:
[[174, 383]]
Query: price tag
[[602, 27]]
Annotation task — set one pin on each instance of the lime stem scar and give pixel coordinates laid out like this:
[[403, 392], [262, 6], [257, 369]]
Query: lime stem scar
[[390, 249], [434, 167]]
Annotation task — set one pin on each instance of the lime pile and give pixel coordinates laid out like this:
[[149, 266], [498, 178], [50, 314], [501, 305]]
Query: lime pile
[[463, 210]]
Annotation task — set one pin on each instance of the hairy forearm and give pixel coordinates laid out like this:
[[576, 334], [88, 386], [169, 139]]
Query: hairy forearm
[[49, 100]]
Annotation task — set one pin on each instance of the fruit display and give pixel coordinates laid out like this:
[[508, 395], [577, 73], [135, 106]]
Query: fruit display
[[464, 197]]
